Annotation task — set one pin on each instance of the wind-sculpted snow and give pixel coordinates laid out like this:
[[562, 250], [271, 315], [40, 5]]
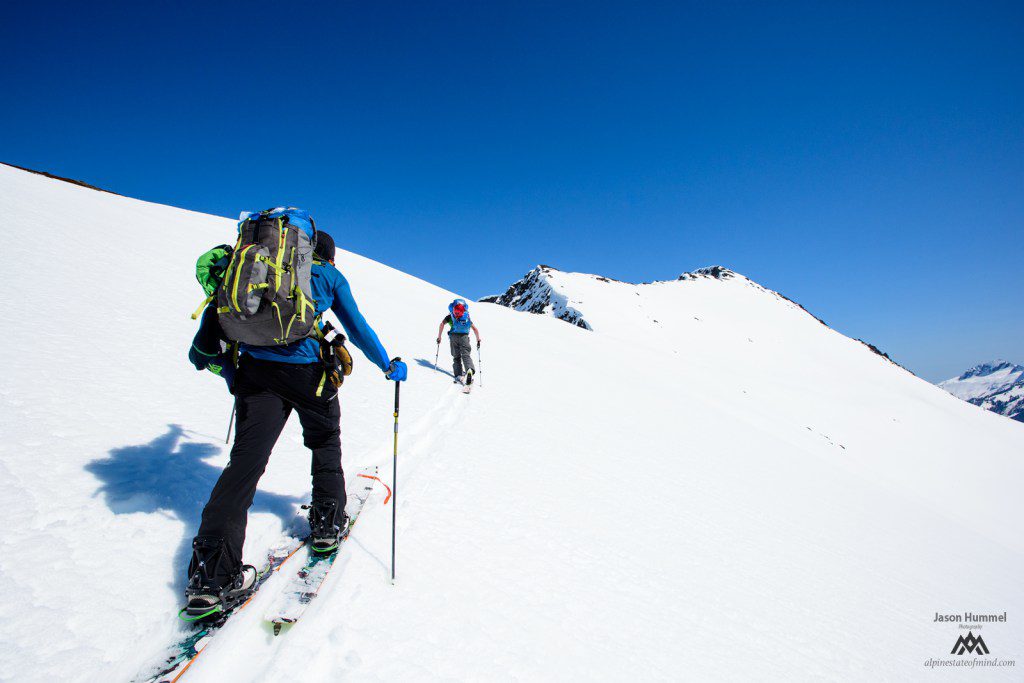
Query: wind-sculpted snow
[[997, 386], [708, 484]]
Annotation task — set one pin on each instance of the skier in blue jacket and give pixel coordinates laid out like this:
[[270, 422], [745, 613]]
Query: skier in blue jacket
[[269, 384]]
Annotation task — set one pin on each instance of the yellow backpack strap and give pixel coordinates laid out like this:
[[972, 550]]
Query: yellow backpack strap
[[199, 310], [315, 332]]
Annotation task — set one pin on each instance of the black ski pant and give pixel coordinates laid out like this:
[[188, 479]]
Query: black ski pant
[[266, 392]]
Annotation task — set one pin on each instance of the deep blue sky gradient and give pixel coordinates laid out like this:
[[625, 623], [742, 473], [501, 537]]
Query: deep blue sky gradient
[[865, 159]]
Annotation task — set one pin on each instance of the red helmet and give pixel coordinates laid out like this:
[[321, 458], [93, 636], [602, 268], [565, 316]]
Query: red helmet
[[459, 310]]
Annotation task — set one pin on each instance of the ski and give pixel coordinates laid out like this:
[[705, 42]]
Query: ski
[[304, 585], [180, 656]]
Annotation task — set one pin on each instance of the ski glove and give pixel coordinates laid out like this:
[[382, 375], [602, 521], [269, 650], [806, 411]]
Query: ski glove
[[397, 371], [478, 343]]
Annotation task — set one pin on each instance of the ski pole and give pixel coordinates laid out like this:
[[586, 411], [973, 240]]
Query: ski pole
[[479, 365], [437, 355], [231, 422], [394, 484]]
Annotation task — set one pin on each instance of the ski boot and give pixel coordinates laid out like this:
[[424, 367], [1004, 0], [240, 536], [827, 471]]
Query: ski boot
[[207, 598], [469, 378], [327, 528]]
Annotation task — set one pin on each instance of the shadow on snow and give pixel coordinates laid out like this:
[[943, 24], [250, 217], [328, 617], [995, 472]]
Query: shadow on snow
[[430, 364], [168, 476]]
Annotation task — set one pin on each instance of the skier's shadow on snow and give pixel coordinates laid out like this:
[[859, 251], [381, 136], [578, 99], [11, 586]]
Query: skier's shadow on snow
[[430, 364], [168, 476]]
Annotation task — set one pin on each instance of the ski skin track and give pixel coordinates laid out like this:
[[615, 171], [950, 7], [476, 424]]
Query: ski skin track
[[277, 621]]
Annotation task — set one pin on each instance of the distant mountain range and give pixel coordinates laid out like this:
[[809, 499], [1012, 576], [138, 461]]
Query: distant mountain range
[[997, 386]]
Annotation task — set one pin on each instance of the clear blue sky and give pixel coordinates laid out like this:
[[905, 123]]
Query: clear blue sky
[[867, 160]]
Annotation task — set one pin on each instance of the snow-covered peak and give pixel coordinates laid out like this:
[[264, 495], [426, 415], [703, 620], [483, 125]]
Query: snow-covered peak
[[708, 301], [546, 290], [597, 302], [997, 368], [716, 272], [537, 292], [997, 386], [664, 308]]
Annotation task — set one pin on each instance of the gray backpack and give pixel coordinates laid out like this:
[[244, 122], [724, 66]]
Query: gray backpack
[[265, 298]]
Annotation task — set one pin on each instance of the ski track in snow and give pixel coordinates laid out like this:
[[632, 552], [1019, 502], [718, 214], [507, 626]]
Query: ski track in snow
[[732, 492]]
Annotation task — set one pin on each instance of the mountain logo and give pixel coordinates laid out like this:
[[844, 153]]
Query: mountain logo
[[969, 644]]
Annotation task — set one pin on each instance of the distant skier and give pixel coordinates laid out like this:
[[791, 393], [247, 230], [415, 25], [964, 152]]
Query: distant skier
[[458, 338], [269, 383]]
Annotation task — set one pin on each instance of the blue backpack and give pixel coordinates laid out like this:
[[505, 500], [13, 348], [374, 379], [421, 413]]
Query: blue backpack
[[460, 325]]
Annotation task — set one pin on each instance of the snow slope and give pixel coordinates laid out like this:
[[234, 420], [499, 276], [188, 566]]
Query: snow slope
[[997, 386], [710, 484]]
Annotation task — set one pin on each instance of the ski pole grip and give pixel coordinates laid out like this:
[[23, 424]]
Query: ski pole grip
[[398, 386]]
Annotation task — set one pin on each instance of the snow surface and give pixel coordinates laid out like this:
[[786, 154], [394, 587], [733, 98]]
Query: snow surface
[[711, 484]]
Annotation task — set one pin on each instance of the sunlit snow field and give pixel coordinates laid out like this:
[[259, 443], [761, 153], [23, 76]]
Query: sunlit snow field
[[711, 484]]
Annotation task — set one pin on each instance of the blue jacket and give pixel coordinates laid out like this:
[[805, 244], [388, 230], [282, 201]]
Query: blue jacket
[[330, 290]]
